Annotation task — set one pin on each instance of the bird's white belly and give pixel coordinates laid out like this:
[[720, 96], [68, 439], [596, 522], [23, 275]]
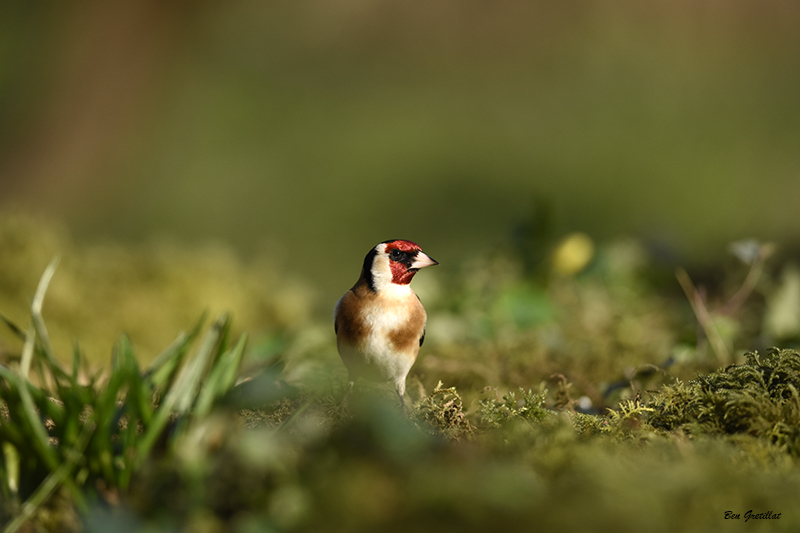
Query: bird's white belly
[[378, 349]]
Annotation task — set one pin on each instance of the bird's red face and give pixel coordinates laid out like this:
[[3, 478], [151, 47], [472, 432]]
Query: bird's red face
[[405, 259], [393, 263]]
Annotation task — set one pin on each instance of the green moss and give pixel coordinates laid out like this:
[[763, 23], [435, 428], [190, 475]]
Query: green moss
[[758, 398], [442, 413], [530, 407]]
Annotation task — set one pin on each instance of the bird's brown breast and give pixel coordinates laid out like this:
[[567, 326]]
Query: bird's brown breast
[[350, 323]]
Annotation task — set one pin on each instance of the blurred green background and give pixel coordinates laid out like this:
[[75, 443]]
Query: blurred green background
[[311, 130]]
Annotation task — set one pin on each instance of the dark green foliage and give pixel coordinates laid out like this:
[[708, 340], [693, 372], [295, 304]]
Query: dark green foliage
[[759, 398]]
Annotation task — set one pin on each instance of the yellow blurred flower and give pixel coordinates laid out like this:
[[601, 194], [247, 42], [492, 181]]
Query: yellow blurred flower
[[573, 254]]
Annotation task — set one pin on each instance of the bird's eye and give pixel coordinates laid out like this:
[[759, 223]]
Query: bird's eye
[[395, 254]]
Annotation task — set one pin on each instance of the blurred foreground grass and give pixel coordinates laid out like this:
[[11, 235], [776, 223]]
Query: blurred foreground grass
[[580, 391]]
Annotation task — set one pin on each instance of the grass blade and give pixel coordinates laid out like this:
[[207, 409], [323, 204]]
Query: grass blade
[[9, 469], [39, 440], [182, 393], [36, 311], [221, 378], [56, 478], [16, 330], [162, 371]]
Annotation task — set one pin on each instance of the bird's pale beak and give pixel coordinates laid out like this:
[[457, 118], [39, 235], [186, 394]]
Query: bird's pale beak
[[421, 261]]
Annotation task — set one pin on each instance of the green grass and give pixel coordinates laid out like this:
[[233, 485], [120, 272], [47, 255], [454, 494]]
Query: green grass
[[542, 400], [91, 437]]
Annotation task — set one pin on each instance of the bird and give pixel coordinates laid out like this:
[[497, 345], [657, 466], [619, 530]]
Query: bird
[[380, 322]]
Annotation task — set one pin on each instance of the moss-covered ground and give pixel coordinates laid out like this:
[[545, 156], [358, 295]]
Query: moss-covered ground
[[577, 388]]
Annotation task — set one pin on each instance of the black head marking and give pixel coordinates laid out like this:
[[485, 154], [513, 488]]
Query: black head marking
[[399, 256], [366, 270]]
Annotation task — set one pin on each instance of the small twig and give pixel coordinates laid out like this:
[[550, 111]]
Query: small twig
[[703, 316], [749, 284]]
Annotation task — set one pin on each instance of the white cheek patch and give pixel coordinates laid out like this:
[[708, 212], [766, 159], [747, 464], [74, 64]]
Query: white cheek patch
[[381, 272]]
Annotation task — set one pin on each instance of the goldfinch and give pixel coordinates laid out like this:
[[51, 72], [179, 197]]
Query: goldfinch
[[380, 322]]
